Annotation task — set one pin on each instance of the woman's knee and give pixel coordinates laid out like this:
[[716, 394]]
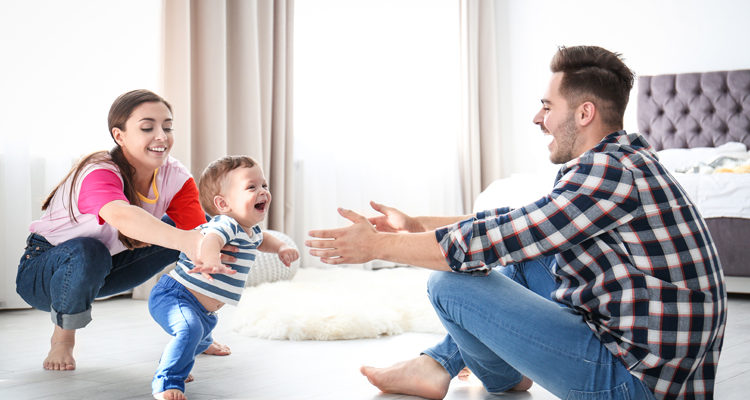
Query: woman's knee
[[90, 255]]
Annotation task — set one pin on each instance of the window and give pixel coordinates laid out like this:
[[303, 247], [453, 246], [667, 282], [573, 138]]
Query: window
[[376, 108]]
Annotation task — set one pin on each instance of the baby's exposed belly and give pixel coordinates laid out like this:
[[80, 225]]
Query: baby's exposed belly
[[208, 303]]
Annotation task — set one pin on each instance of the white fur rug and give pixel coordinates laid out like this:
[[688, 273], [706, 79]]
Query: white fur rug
[[338, 303]]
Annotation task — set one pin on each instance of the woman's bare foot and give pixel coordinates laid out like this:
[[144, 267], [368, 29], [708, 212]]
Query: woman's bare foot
[[421, 376], [170, 394], [60, 356], [218, 349]]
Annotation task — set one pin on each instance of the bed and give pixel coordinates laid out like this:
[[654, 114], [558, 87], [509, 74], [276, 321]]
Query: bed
[[699, 123]]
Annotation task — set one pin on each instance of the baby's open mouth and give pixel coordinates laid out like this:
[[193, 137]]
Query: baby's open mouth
[[261, 206]]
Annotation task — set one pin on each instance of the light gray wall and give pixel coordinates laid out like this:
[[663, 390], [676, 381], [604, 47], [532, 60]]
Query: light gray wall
[[654, 36]]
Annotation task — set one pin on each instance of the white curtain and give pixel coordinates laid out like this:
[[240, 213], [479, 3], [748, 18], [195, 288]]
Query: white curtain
[[480, 148], [377, 109], [63, 65], [227, 70]]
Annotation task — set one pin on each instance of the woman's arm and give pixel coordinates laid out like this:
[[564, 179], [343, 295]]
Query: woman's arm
[[137, 223]]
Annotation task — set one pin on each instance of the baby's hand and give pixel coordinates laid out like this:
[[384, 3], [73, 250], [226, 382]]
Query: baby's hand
[[287, 255]]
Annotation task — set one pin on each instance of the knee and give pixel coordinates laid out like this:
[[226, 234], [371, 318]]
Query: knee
[[90, 254], [442, 282], [191, 335]]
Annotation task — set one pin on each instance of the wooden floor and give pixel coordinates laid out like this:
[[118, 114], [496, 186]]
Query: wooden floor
[[118, 352]]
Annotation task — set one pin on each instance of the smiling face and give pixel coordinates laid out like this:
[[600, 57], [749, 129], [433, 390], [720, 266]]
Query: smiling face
[[244, 196], [557, 119], [147, 137]]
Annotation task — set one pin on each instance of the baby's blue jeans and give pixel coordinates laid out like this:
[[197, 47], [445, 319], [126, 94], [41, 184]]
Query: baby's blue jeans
[[504, 326], [181, 315]]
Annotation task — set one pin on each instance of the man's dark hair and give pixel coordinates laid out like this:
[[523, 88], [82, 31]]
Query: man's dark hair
[[594, 74]]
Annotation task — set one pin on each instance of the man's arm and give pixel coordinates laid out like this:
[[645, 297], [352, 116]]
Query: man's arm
[[394, 220], [361, 242]]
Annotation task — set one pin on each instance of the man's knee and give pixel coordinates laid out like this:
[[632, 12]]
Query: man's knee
[[441, 282]]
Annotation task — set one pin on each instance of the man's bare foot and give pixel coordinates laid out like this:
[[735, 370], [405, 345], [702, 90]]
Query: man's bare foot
[[170, 394], [60, 356], [464, 374], [522, 386], [421, 376], [218, 349]]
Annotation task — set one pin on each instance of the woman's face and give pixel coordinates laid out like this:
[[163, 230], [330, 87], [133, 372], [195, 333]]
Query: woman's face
[[147, 137]]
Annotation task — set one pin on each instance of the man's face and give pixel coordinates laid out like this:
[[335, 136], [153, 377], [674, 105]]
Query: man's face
[[555, 118]]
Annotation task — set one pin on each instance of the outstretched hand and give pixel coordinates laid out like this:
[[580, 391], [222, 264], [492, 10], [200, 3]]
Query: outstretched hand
[[353, 244], [206, 267], [393, 220]]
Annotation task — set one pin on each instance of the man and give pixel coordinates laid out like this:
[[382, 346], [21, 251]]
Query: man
[[610, 288]]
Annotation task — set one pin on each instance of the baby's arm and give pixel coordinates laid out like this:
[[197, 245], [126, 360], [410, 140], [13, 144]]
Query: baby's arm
[[208, 260], [272, 244]]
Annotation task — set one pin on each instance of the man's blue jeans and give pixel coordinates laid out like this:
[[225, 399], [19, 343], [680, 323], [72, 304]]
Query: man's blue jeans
[[504, 326], [65, 279]]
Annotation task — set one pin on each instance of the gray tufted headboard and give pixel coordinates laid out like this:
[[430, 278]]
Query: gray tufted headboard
[[694, 109]]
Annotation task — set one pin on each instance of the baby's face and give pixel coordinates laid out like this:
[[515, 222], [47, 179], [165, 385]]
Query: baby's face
[[247, 196]]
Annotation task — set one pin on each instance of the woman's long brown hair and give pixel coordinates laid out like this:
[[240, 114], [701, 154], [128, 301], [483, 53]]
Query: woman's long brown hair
[[119, 113]]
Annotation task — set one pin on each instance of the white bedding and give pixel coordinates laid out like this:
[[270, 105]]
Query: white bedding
[[715, 194], [718, 195]]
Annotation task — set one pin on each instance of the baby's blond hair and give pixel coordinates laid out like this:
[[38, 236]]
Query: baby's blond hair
[[213, 176]]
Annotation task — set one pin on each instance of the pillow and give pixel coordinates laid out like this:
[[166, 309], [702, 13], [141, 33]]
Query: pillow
[[268, 267]]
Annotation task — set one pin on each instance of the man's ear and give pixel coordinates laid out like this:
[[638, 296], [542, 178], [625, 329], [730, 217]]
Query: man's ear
[[220, 203], [585, 113]]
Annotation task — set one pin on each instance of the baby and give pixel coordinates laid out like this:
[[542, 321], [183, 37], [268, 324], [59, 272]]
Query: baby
[[234, 191]]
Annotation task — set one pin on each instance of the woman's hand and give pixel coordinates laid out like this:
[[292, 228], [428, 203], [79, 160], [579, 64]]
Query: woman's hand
[[393, 220], [208, 258]]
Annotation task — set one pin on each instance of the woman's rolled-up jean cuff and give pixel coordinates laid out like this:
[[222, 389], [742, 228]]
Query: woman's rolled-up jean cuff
[[71, 321]]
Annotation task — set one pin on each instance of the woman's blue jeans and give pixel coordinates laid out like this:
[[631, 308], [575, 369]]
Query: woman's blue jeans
[[181, 315], [505, 326], [65, 279]]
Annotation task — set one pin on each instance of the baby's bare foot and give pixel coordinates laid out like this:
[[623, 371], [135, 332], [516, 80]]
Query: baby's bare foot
[[421, 376], [170, 394], [189, 378], [218, 349]]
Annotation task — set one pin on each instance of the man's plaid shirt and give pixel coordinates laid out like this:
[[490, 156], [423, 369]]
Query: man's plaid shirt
[[634, 258]]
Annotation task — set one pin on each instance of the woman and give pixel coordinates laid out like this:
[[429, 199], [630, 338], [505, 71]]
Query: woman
[[94, 238]]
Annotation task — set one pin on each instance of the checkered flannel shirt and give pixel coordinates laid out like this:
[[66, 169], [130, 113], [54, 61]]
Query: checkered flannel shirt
[[634, 258]]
